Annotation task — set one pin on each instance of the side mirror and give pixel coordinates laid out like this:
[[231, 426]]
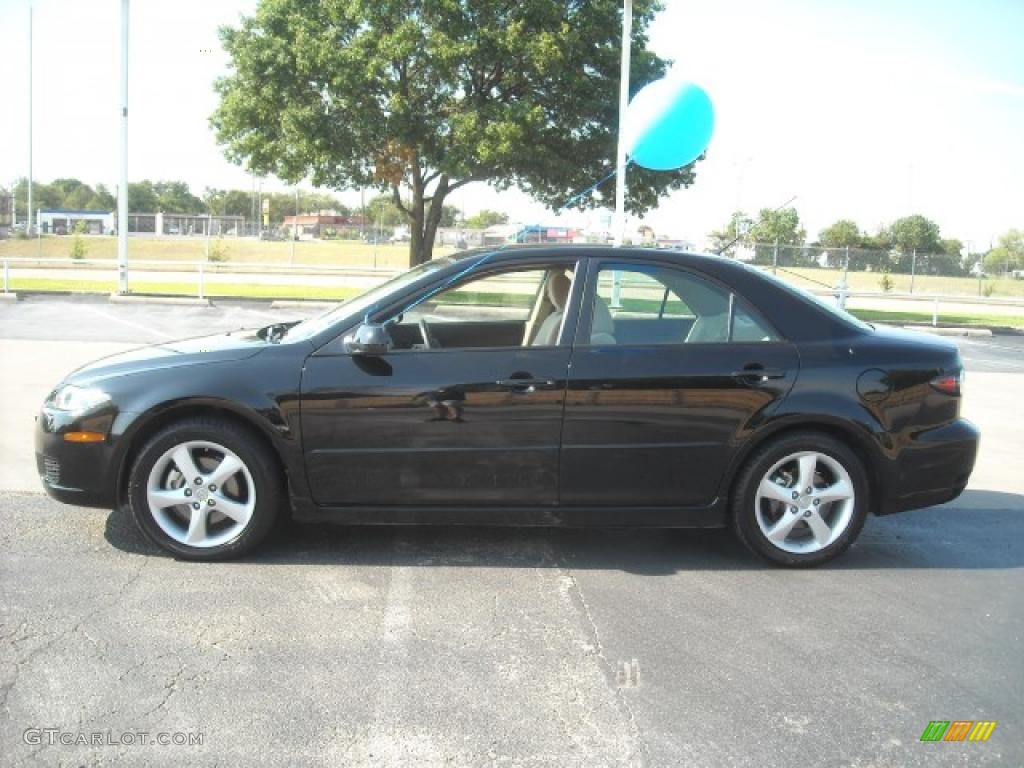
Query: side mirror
[[368, 339]]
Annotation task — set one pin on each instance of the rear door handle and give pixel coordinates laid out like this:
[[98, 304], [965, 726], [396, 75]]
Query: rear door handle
[[756, 374], [525, 386]]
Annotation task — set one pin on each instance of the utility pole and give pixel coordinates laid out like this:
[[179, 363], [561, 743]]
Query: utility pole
[[122, 196], [775, 257], [913, 269]]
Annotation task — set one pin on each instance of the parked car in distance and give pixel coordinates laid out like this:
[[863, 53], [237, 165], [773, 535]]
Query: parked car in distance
[[568, 386]]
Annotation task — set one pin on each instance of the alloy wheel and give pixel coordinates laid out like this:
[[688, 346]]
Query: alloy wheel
[[201, 494], [804, 502]]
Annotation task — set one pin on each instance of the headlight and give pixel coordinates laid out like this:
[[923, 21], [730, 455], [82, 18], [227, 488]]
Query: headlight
[[77, 399]]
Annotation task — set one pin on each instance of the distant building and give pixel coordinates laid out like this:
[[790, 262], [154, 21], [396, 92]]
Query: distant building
[[500, 233], [538, 233], [63, 221], [315, 225], [460, 237]]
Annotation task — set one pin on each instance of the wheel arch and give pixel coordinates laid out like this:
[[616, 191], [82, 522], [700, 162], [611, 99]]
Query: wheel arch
[[858, 437], [150, 423]]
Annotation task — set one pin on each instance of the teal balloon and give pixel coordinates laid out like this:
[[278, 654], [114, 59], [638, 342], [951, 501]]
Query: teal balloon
[[668, 124]]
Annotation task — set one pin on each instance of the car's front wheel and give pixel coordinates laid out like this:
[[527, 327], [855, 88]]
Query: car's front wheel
[[205, 489], [800, 500]]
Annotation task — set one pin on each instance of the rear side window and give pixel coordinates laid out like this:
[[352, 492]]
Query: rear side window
[[660, 305]]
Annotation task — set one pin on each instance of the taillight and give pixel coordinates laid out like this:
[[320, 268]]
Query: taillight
[[949, 383]]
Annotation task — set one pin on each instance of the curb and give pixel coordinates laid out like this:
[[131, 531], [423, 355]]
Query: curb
[[977, 332], [116, 298], [301, 304], [8, 297]]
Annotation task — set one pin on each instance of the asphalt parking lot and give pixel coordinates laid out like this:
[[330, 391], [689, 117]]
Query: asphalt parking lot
[[466, 647]]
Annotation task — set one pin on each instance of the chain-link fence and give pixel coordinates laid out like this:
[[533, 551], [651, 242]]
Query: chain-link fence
[[855, 259]]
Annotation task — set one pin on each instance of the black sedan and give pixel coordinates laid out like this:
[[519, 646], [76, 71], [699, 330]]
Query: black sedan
[[534, 386]]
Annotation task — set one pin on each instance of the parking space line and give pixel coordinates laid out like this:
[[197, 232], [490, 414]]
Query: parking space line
[[130, 323]]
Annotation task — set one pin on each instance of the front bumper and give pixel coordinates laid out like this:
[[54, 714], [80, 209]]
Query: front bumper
[[932, 468], [75, 473]]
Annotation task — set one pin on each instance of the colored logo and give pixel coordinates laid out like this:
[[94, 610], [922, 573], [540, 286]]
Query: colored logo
[[958, 730]]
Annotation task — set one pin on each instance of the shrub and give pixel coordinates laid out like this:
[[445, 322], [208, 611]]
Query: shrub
[[988, 289], [78, 246], [219, 250], [885, 281]]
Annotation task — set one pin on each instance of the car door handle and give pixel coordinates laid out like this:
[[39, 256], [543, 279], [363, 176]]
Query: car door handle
[[757, 374], [525, 386]]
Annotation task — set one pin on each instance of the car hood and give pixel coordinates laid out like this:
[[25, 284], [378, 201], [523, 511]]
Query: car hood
[[220, 348]]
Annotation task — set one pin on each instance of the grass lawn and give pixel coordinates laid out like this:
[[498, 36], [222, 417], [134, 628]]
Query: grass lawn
[[237, 290], [244, 250], [869, 281], [883, 316]]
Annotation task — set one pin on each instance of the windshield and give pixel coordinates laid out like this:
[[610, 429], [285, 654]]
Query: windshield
[[364, 302], [828, 306]]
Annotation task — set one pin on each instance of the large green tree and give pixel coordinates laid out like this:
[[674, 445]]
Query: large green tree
[[844, 233], [1009, 254], [421, 97], [910, 234], [486, 218]]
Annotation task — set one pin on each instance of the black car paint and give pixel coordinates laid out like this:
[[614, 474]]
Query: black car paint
[[657, 444]]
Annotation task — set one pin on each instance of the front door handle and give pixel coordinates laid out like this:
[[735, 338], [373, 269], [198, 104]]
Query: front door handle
[[758, 374]]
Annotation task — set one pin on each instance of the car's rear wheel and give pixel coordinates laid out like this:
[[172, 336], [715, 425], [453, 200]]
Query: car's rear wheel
[[800, 500], [205, 489]]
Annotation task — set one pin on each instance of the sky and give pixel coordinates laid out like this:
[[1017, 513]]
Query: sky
[[863, 109]]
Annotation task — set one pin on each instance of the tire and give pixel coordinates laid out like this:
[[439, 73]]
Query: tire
[[774, 482], [237, 500]]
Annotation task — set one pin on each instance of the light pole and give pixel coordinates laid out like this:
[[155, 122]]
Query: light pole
[[28, 209], [295, 228], [619, 224], [122, 196]]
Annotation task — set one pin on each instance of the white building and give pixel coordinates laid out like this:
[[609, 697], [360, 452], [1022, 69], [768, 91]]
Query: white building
[[62, 221]]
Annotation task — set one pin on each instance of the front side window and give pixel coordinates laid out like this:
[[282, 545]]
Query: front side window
[[661, 305], [507, 309]]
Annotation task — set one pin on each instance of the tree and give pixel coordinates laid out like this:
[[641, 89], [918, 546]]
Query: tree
[[735, 231], [777, 226], [176, 197], [382, 211], [1009, 254], [842, 234], [782, 226], [426, 97], [914, 233], [486, 218], [142, 198]]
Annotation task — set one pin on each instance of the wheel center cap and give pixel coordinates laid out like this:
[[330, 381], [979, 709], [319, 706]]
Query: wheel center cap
[[202, 494]]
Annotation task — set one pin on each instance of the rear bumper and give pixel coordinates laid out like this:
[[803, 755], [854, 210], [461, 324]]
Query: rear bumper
[[933, 469]]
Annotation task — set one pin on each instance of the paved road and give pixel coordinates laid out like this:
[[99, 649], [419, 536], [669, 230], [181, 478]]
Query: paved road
[[425, 647]]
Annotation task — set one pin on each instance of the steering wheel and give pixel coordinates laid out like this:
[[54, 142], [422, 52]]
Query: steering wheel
[[428, 338]]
